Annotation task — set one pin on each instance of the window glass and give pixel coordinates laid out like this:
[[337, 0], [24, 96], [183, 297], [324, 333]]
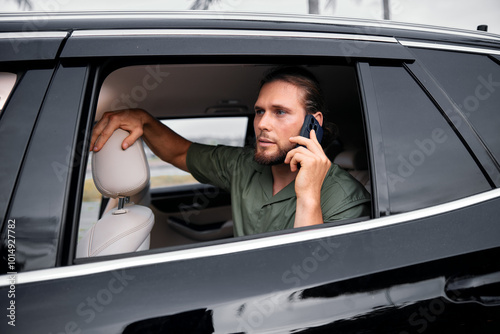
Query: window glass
[[7, 81], [473, 82], [229, 131], [426, 162]]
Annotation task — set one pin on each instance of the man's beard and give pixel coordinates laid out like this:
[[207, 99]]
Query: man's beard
[[276, 159]]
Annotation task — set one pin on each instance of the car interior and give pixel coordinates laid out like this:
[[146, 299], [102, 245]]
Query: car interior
[[217, 98]]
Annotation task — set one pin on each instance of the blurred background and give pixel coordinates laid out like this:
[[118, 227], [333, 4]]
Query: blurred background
[[464, 14]]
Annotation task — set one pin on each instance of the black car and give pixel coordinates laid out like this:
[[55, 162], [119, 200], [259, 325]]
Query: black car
[[418, 110]]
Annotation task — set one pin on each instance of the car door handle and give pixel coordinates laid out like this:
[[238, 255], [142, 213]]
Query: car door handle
[[483, 289]]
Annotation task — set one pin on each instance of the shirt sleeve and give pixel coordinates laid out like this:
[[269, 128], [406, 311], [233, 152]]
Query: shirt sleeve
[[212, 164]]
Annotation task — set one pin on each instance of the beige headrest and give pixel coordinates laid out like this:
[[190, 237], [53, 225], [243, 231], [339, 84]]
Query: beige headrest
[[351, 160], [118, 172]]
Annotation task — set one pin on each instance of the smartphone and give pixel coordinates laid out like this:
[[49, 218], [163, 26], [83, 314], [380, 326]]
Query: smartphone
[[310, 123]]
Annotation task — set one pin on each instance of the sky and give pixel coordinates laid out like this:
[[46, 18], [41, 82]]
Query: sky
[[464, 14]]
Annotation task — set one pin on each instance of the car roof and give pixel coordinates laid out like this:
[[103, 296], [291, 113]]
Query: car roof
[[74, 23], [99, 20]]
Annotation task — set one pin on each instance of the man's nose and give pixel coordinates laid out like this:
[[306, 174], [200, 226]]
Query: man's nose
[[264, 121]]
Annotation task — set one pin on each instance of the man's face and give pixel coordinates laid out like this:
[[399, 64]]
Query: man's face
[[279, 115]]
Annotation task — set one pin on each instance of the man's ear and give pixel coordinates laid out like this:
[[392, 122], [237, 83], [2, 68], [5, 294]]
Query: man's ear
[[319, 117]]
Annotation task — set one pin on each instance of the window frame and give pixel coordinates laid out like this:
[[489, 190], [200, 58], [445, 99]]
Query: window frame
[[108, 68], [243, 45], [232, 46]]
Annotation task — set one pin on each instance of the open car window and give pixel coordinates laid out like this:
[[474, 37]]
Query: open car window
[[213, 104]]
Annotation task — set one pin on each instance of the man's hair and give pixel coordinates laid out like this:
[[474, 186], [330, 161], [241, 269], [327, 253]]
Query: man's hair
[[313, 99], [300, 77]]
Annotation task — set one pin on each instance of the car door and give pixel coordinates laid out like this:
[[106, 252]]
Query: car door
[[418, 162]]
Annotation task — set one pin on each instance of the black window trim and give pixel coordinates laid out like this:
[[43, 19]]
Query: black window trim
[[380, 190], [31, 45]]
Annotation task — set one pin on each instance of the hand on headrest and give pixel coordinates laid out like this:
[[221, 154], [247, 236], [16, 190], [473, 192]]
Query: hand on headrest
[[118, 172]]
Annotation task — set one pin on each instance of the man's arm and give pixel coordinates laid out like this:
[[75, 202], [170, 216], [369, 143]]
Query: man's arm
[[164, 142], [314, 166]]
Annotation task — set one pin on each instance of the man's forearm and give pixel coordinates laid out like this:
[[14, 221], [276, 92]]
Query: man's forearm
[[308, 212], [165, 143]]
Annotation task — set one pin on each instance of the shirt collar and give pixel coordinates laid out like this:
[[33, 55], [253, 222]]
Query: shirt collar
[[266, 182]]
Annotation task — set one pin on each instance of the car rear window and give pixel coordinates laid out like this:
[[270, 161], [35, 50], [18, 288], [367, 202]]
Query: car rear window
[[473, 82], [426, 162], [7, 82]]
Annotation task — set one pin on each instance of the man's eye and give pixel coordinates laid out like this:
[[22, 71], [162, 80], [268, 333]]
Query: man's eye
[[280, 112], [259, 111]]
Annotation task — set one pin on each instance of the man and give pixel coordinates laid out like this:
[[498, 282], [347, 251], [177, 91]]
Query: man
[[278, 184]]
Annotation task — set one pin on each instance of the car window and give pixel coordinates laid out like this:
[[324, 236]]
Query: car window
[[212, 104], [229, 131], [426, 163], [473, 82], [7, 81]]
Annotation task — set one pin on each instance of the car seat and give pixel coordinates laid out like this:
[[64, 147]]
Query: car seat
[[119, 174], [354, 161]]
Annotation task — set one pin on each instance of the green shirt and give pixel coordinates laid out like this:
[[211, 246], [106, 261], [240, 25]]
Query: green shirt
[[255, 209]]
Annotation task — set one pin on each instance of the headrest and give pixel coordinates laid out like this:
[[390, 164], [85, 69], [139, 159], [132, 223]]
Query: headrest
[[118, 172], [351, 160]]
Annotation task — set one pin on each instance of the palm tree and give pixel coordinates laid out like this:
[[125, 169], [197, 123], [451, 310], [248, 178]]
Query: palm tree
[[313, 6], [387, 12], [332, 4], [24, 4], [202, 4]]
